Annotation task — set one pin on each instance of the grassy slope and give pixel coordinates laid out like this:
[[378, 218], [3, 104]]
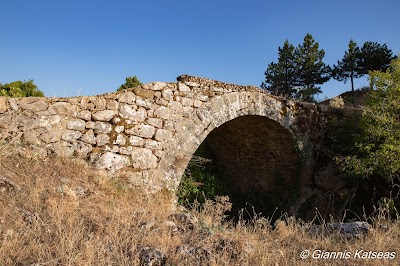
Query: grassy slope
[[58, 212]]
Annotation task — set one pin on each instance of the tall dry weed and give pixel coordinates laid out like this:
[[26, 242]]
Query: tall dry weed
[[56, 211]]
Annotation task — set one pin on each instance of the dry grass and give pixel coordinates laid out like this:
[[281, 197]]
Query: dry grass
[[60, 212]]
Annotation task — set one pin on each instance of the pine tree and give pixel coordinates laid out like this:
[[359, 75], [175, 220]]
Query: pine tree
[[280, 76], [349, 67], [310, 69], [374, 56]]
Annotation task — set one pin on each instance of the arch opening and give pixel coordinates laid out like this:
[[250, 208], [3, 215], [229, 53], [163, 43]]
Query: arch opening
[[256, 163]]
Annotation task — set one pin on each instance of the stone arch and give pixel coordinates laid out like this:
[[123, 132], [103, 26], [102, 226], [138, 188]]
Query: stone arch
[[193, 130]]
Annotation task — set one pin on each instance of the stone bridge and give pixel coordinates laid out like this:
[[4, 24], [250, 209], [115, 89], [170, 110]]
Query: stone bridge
[[150, 132]]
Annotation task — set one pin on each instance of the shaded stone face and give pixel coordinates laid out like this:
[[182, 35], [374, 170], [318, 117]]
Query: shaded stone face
[[258, 161]]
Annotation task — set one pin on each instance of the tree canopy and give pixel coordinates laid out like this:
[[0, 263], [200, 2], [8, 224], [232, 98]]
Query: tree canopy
[[378, 149], [20, 89], [311, 71], [130, 82], [281, 76], [350, 65], [374, 56], [298, 71]]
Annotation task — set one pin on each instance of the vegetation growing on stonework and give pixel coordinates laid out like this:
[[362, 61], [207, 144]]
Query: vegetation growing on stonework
[[20, 89], [130, 82]]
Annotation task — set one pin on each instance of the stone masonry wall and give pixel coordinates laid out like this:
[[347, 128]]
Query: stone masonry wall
[[148, 132]]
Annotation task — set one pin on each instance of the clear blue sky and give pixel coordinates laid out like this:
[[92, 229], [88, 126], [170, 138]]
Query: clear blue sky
[[89, 47]]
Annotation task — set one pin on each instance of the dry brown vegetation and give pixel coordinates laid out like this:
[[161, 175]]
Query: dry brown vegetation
[[60, 212]]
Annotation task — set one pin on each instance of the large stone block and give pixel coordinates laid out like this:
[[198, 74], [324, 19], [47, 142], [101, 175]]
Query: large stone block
[[102, 128], [63, 108], [102, 139], [76, 124], [104, 115], [89, 137], [162, 112], [34, 104], [143, 159], [110, 161], [136, 141], [144, 93], [128, 112], [163, 135], [93, 103], [127, 97], [144, 131], [71, 135]]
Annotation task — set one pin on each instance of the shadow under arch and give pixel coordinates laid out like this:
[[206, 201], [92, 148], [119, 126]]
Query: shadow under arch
[[235, 112], [258, 164]]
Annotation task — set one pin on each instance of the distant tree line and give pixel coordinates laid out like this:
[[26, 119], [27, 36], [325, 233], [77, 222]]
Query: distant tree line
[[300, 70], [20, 89]]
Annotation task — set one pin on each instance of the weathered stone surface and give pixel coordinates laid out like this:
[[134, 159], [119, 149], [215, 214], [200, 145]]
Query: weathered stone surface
[[183, 87], [156, 122], [71, 135], [136, 141], [146, 103], [144, 131], [143, 159], [63, 149], [63, 108], [120, 140], [152, 145], [186, 101], [3, 105], [85, 115], [102, 139], [102, 128], [47, 121], [31, 137], [105, 115], [91, 124], [144, 93], [33, 104], [111, 161], [93, 103], [52, 136], [126, 150], [127, 97], [163, 135], [127, 112], [119, 129], [13, 104], [111, 104], [89, 137], [76, 124], [168, 94], [197, 103], [83, 149], [162, 112], [157, 86]]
